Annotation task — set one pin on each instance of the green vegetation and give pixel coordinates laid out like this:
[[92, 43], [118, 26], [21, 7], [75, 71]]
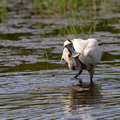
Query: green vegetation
[[72, 10], [3, 10], [81, 15]]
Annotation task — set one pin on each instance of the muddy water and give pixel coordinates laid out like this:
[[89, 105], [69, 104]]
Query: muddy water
[[35, 85]]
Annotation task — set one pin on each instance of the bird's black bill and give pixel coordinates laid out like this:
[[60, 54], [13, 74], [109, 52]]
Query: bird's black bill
[[80, 65], [72, 50]]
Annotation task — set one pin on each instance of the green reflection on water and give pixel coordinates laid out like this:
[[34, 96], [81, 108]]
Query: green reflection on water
[[3, 10], [32, 67]]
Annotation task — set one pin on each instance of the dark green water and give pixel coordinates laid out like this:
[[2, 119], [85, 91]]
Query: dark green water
[[35, 85]]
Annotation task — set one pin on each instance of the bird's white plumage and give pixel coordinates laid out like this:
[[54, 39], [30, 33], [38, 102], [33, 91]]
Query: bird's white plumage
[[90, 53]]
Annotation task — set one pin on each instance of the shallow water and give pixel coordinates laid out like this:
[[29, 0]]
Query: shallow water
[[35, 85]]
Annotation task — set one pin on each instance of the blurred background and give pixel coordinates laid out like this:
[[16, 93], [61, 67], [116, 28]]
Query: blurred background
[[34, 84]]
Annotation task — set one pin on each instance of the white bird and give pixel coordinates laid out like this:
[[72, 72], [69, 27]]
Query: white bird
[[82, 55]]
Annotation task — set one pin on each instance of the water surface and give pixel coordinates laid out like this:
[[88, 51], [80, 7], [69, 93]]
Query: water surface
[[35, 85]]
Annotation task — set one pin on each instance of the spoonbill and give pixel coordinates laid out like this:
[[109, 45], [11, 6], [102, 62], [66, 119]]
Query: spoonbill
[[82, 55]]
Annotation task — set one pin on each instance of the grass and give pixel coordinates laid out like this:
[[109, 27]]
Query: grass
[[46, 54], [77, 13]]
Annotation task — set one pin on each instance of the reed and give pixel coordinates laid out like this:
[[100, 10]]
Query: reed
[[75, 11]]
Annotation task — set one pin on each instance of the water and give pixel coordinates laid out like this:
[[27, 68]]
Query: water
[[35, 85]]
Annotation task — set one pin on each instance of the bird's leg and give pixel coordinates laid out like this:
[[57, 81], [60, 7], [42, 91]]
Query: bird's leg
[[91, 72], [78, 74], [91, 79]]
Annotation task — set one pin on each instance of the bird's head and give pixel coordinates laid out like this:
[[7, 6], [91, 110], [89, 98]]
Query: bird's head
[[67, 42], [69, 45]]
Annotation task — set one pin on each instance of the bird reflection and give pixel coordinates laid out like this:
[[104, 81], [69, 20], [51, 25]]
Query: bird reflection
[[83, 102]]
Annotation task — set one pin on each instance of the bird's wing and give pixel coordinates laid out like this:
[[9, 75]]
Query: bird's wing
[[92, 52], [89, 49], [79, 45]]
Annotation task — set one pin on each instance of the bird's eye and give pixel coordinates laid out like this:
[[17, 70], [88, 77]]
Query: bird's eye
[[69, 54]]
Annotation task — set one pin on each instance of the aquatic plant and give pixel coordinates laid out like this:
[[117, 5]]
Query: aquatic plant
[[75, 11]]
